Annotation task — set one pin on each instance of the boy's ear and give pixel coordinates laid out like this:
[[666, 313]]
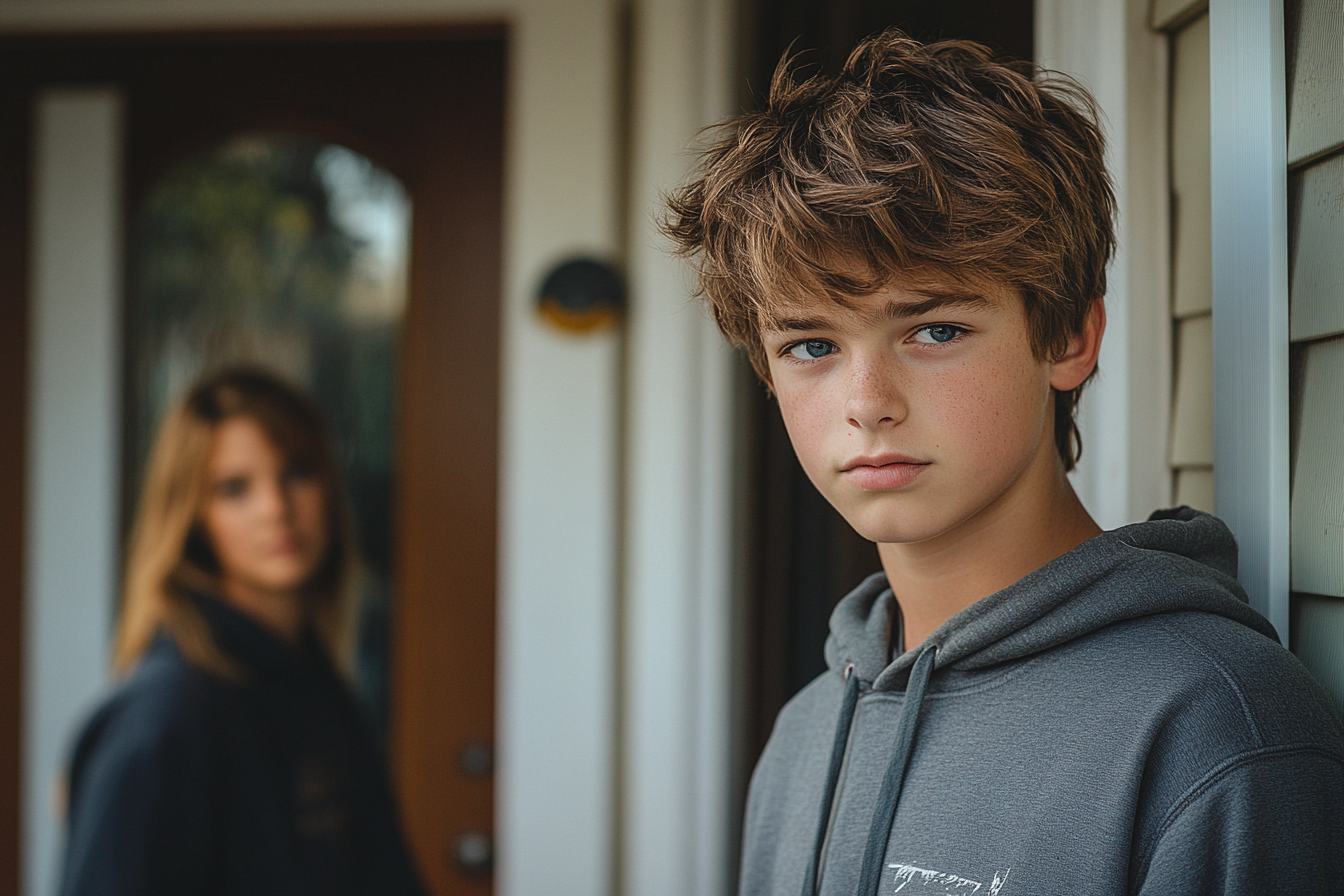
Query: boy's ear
[[1071, 369]]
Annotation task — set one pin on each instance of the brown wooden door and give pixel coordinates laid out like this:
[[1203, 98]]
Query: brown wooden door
[[427, 105]]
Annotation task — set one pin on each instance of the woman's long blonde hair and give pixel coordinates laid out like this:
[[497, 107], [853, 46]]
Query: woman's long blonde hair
[[170, 558]]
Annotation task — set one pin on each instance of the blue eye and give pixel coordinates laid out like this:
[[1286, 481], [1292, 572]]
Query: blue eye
[[811, 349], [937, 334]]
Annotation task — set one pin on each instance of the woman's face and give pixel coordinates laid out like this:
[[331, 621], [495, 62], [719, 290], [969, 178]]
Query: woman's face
[[265, 516]]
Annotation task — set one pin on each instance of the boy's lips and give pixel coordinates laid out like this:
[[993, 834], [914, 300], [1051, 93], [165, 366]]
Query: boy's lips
[[883, 472]]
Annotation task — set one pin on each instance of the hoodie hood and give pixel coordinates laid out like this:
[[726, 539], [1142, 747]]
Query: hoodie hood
[[1179, 560]]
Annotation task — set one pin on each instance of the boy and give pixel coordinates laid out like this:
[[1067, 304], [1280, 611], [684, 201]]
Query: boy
[[914, 254]]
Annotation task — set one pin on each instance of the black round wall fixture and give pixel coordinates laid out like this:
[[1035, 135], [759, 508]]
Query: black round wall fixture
[[582, 295]]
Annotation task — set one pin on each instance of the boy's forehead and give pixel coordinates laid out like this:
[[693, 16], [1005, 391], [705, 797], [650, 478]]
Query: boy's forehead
[[911, 297]]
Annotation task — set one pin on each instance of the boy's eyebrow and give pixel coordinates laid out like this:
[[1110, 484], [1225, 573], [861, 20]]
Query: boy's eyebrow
[[891, 310], [965, 300], [784, 324]]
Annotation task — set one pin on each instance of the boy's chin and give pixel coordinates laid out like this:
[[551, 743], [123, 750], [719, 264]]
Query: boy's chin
[[905, 525]]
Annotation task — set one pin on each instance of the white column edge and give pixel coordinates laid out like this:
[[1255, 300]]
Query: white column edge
[[1250, 293], [680, 441], [71, 554]]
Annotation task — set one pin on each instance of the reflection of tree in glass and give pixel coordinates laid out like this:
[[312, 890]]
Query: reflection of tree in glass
[[292, 255], [245, 227]]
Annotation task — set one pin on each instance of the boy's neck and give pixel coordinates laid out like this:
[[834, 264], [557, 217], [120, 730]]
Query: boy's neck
[[1037, 520]]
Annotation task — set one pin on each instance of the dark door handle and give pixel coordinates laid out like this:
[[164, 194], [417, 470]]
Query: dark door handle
[[474, 853]]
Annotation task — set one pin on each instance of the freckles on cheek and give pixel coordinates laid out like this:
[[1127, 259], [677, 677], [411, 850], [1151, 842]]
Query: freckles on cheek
[[969, 415], [806, 426], [991, 406]]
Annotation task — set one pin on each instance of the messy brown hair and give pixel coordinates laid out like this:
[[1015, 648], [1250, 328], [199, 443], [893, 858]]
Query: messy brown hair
[[916, 162], [170, 558]]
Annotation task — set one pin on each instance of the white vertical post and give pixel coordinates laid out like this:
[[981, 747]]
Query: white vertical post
[[72, 543], [559, 465], [1250, 292], [714, 596], [679, 448]]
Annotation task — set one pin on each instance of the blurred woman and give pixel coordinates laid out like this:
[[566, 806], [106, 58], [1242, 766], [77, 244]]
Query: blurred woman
[[232, 758]]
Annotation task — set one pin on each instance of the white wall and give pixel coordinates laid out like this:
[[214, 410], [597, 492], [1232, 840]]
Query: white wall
[[72, 502], [1108, 46]]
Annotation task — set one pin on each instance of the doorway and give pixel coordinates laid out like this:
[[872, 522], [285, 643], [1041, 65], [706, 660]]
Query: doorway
[[426, 106]]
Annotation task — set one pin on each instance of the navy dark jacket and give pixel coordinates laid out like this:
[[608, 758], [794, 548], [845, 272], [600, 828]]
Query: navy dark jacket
[[184, 783]]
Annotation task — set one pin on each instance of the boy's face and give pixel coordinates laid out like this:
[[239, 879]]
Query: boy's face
[[918, 407]]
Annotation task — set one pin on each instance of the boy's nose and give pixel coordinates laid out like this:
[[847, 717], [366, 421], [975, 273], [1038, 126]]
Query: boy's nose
[[875, 397]]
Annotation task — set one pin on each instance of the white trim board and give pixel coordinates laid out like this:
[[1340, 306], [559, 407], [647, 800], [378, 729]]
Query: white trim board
[[677, 723], [1250, 293], [72, 503], [47, 16]]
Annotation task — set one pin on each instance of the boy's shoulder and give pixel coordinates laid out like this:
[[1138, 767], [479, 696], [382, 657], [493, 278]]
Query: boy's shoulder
[[1251, 681], [1199, 701], [1243, 752]]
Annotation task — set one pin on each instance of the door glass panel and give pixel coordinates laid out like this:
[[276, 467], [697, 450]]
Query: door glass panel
[[291, 255]]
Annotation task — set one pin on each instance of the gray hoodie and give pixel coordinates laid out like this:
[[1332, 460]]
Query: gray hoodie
[[1118, 722]]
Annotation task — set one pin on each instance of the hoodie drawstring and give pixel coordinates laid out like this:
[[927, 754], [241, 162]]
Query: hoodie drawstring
[[884, 814], [842, 726]]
